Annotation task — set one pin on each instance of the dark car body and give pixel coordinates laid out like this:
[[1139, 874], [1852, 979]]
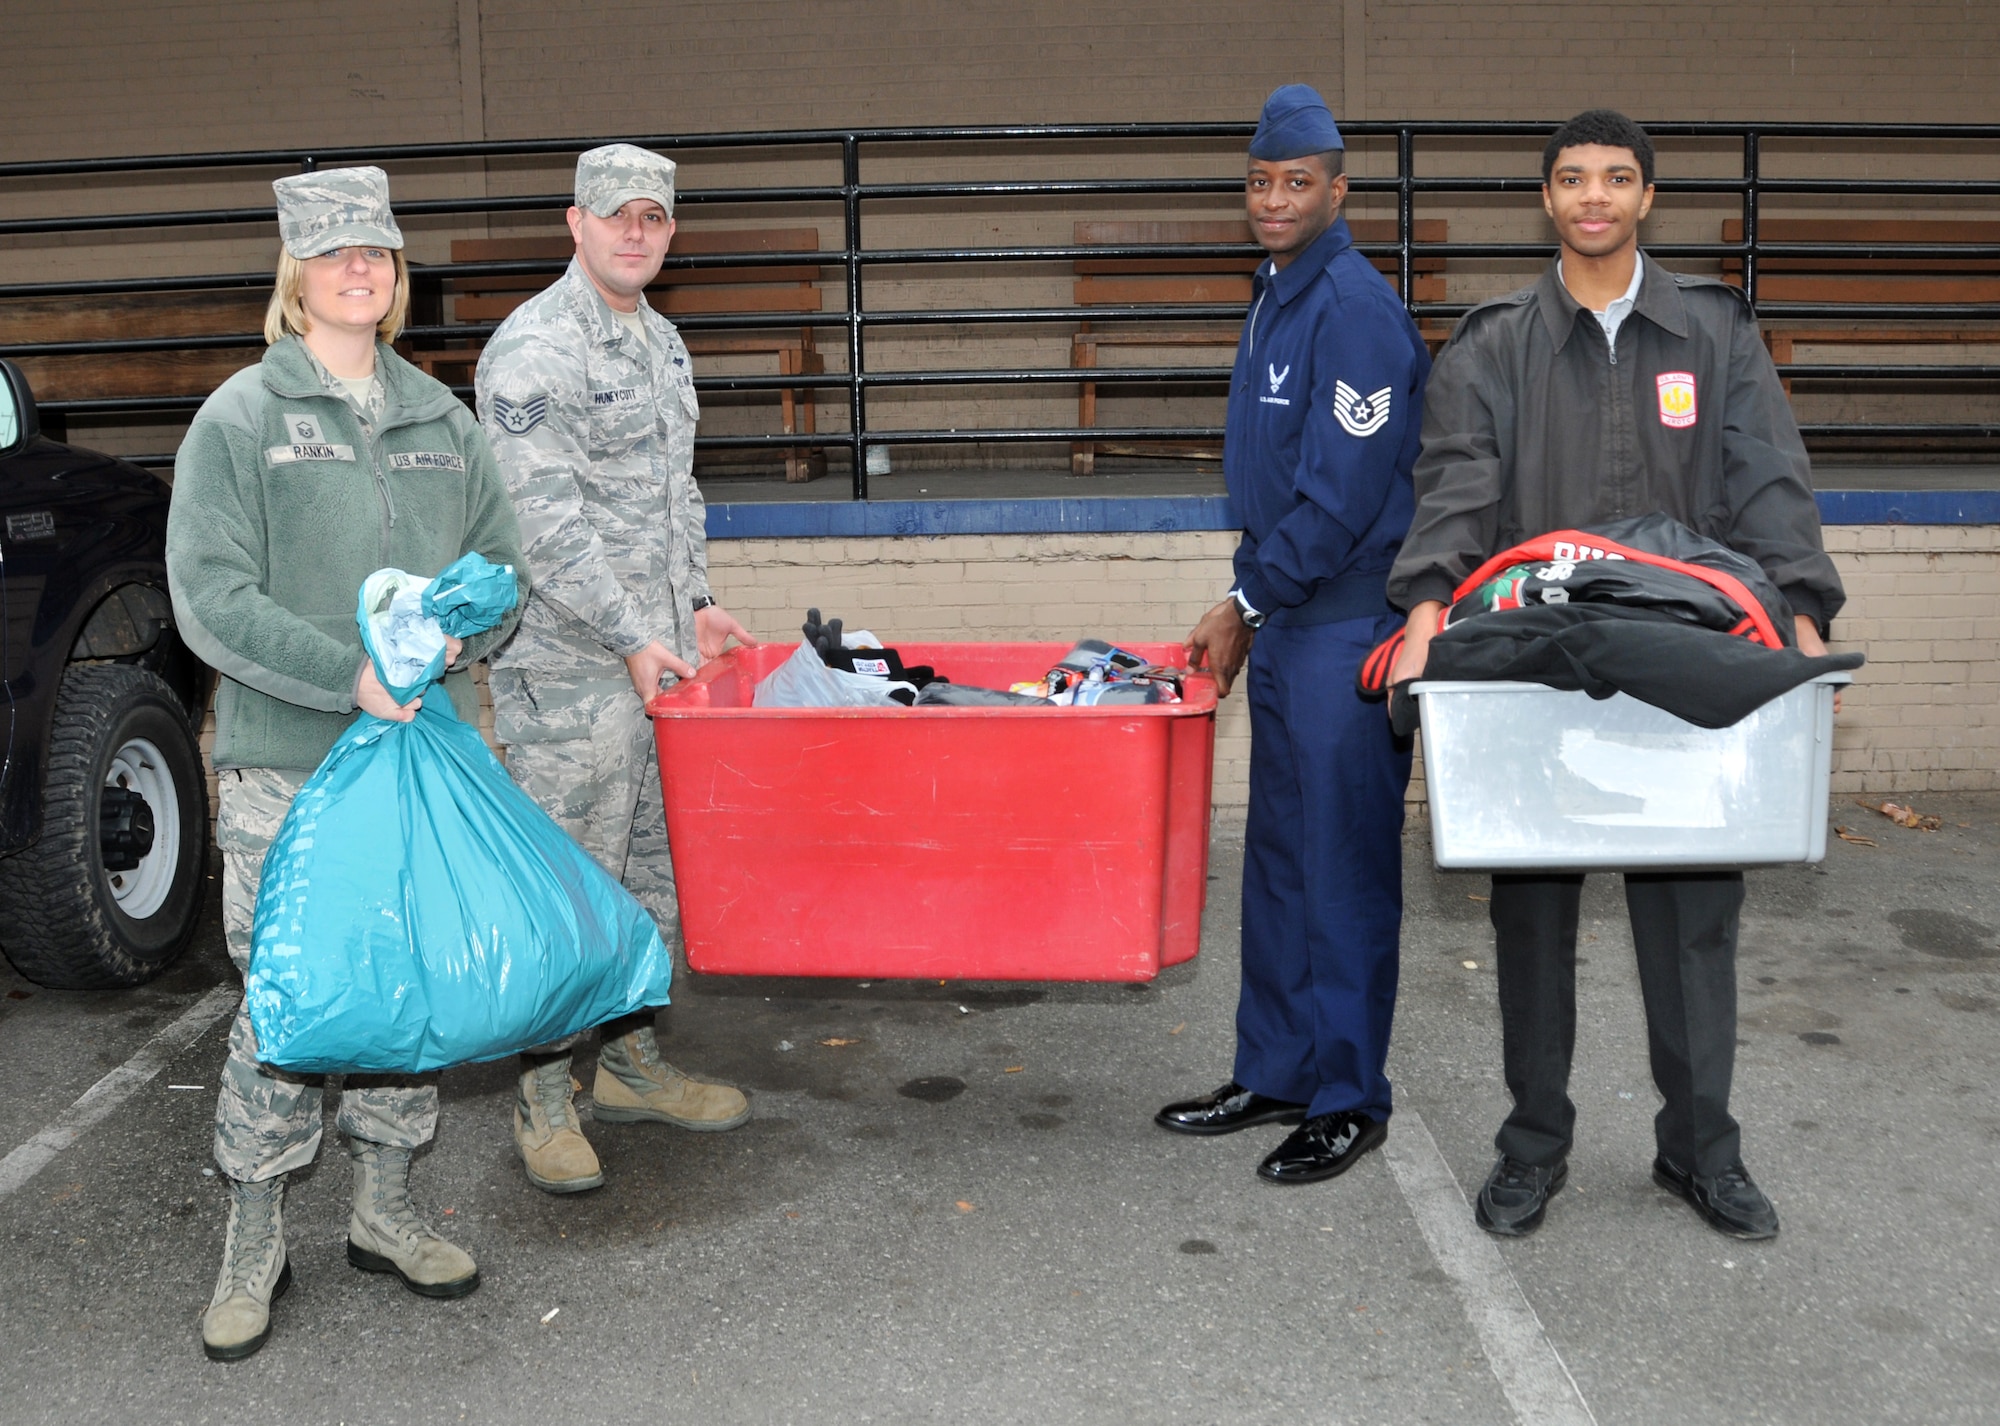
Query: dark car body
[[83, 574]]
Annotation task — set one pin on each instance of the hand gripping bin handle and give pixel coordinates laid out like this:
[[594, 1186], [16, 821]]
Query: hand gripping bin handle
[[1061, 844]]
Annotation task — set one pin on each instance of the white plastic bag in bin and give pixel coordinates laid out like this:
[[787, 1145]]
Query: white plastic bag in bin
[[804, 681]]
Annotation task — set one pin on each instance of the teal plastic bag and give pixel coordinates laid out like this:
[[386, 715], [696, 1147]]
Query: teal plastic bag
[[471, 596], [418, 910], [404, 618]]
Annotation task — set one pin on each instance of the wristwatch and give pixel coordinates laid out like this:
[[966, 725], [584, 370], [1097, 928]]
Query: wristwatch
[[701, 602], [1251, 618]]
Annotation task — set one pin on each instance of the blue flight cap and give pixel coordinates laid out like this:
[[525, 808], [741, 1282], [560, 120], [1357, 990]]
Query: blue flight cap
[[1295, 122]]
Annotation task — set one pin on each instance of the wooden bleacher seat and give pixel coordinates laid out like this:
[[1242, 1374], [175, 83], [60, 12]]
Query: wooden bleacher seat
[[778, 291], [113, 317], [1878, 281], [1202, 280]]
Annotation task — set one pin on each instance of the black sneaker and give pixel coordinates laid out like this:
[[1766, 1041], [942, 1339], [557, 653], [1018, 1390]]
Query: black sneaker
[[1730, 1201], [1516, 1195]]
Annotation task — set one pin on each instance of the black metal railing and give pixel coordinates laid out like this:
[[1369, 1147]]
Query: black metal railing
[[852, 196]]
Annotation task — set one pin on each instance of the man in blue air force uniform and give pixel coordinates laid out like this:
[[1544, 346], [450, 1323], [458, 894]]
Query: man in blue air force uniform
[[1324, 412]]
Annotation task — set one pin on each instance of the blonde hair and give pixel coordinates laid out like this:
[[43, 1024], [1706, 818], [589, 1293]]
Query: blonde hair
[[287, 312]]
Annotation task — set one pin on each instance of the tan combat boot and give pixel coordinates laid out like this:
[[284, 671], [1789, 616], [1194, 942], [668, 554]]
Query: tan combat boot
[[384, 1234], [634, 1083], [558, 1158], [254, 1272]]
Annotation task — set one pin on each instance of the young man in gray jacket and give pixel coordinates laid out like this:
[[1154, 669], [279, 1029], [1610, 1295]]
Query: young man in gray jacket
[[1612, 388]]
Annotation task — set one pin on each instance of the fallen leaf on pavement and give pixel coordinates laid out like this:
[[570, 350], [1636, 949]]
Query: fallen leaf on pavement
[[1178, 1028], [964, 1207], [1013, 1069], [1470, 897], [1854, 837], [834, 1042], [1906, 816]]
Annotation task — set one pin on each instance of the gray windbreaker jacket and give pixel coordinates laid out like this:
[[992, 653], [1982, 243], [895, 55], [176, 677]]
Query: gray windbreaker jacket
[[1532, 423]]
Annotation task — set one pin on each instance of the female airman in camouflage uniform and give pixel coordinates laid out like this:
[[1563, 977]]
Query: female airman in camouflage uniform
[[300, 476]]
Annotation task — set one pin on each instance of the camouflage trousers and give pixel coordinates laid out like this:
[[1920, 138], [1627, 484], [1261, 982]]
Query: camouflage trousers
[[267, 1121], [604, 790]]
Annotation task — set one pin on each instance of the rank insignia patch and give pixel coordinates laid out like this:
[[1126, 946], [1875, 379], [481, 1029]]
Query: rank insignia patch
[[1677, 406], [1360, 415], [517, 418]]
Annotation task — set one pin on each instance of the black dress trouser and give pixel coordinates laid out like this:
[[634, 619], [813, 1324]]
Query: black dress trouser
[[1684, 928]]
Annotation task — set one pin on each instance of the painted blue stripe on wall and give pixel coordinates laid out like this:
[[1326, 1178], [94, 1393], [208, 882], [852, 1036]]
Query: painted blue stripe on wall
[[748, 520], [1910, 507], [766, 520]]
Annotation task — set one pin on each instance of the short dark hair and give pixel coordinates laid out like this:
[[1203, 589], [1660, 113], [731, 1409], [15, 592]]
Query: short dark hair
[[1334, 161], [1600, 126]]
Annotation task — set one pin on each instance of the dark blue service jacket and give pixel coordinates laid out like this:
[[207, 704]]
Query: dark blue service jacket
[[1325, 410]]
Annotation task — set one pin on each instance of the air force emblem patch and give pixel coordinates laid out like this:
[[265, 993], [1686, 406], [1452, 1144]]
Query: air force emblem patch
[[1360, 415], [1277, 377], [517, 418]]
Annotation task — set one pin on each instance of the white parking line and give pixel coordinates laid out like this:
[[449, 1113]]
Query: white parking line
[[1531, 1372], [115, 1088]]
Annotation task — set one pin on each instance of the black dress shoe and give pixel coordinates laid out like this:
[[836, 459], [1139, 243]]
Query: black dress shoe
[[1516, 1195], [1730, 1201], [1230, 1108], [1323, 1147]]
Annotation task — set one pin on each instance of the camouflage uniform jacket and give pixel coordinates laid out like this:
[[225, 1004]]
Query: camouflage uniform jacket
[[594, 433], [285, 499]]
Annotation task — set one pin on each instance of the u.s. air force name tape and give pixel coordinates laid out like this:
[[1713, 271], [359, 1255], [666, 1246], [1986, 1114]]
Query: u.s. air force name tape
[[308, 450], [426, 460]]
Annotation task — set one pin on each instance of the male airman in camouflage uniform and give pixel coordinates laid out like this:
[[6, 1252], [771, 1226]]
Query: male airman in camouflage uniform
[[587, 396]]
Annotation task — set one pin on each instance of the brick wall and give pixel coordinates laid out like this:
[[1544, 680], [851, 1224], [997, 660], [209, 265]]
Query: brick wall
[[1923, 604], [989, 588], [111, 76], [1831, 60]]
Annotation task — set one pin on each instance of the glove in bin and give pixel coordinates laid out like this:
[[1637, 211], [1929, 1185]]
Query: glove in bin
[[1061, 844]]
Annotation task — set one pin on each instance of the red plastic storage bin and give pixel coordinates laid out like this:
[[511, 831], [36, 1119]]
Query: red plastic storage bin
[[956, 843]]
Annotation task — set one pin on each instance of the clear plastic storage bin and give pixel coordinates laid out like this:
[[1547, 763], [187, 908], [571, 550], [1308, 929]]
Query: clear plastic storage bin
[[1521, 776]]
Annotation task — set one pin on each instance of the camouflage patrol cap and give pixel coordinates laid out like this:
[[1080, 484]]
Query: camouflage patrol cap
[[335, 208], [609, 178]]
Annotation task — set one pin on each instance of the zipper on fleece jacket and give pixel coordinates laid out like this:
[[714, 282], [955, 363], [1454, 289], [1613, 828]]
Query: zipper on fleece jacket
[[381, 483]]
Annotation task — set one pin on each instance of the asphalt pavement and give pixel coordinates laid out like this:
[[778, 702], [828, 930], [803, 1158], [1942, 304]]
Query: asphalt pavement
[[952, 1205]]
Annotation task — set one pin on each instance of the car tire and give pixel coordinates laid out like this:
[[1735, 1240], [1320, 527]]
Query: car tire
[[76, 913]]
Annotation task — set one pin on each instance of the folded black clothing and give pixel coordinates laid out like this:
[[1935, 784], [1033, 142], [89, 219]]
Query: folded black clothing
[[941, 694], [1087, 654], [1669, 592], [1647, 561], [1705, 676], [878, 663]]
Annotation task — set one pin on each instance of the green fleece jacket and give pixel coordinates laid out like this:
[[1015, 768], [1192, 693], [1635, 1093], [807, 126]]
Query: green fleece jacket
[[285, 499]]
